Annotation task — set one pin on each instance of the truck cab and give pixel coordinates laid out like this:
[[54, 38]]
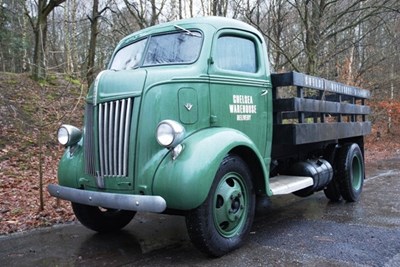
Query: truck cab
[[186, 119]]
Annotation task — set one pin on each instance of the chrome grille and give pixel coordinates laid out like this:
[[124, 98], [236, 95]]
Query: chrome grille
[[90, 159], [113, 128], [113, 135]]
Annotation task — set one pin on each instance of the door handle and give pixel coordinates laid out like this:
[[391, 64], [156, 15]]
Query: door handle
[[264, 92]]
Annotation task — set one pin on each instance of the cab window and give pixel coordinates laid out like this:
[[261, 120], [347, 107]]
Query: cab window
[[236, 53]]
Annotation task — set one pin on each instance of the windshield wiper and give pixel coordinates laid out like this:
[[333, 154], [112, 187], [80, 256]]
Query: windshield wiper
[[187, 31]]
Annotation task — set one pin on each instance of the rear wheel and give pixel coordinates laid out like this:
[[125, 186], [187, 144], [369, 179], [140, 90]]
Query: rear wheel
[[224, 220], [350, 171], [102, 220]]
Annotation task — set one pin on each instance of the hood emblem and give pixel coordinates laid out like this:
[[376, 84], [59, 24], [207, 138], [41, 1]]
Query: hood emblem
[[188, 106]]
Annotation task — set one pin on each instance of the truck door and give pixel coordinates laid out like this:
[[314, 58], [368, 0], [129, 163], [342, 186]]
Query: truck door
[[239, 87]]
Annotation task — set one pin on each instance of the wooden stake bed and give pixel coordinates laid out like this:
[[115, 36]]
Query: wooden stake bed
[[321, 110]]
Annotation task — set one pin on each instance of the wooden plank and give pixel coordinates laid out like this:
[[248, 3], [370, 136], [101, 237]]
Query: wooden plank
[[304, 133], [319, 106], [300, 79]]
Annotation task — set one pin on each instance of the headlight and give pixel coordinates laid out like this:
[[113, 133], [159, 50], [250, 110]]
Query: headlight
[[170, 133], [68, 135]]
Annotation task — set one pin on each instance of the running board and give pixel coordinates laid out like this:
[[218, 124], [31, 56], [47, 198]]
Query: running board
[[284, 184]]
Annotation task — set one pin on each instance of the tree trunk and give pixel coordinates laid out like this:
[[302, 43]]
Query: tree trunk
[[313, 34], [154, 16], [180, 9], [67, 45], [74, 42], [40, 32], [94, 21], [39, 60]]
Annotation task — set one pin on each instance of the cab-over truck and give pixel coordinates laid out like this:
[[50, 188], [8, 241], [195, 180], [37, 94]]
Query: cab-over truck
[[188, 119]]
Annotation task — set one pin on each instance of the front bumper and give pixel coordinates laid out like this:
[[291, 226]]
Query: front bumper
[[109, 200]]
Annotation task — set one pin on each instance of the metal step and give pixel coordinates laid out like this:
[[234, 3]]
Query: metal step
[[284, 184]]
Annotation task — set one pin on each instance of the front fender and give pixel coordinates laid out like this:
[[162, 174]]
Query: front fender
[[185, 182], [70, 166]]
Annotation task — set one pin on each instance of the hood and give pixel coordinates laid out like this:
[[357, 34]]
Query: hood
[[111, 85]]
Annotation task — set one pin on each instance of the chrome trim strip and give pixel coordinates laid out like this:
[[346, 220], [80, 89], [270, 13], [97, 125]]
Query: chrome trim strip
[[120, 140], [115, 143], [105, 133], [100, 126], [126, 137]]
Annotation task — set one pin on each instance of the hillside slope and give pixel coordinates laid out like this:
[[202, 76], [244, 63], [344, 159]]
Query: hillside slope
[[29, 111]]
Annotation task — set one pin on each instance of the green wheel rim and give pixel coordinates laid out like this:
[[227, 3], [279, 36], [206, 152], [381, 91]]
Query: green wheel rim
[[230, 205], [356, 173]]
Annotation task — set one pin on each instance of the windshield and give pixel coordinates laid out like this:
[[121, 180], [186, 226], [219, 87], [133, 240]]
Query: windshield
[[172, 48], [129, 57]]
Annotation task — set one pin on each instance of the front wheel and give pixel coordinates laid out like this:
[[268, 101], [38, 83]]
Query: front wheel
[[224, 220], [350, 171], [102, 220]]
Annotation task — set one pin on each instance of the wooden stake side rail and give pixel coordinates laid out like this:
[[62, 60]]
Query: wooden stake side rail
[[335, 111], [303, 80]]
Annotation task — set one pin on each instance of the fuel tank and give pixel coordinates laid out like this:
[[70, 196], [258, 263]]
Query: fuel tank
[[319, 169]]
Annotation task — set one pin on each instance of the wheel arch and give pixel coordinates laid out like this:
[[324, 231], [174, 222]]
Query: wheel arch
[[186, 181], [255, 165]]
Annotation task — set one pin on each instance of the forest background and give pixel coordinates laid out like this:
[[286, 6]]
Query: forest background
[[51, 50]]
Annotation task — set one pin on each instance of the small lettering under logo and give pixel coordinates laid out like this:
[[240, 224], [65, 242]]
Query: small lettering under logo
[[243, 117]]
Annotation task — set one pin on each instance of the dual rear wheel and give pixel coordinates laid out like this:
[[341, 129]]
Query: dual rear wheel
[[348, 180]]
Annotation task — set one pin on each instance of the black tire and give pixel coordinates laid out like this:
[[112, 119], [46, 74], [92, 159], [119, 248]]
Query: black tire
[[222, 223], [102, 220], [332, 191], [350, 172]]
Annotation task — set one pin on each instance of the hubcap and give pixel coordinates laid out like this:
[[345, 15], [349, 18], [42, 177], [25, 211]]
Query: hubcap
[[230, 205], [357, 174]]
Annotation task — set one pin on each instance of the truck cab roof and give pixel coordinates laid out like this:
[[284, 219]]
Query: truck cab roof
[[201, 23]]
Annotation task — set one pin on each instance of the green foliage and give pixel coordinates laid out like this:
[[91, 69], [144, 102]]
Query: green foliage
[[73, 80]]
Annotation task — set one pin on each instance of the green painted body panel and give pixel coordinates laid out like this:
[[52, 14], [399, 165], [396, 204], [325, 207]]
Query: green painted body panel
[[70, 168], [220, 111], [155, 107]]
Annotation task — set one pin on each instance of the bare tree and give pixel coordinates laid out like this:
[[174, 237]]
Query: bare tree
[[145, 14], [39, 26], [308, 35], [94, 21]]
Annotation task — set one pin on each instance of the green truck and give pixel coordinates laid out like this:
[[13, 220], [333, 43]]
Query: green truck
[[188, 119]]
